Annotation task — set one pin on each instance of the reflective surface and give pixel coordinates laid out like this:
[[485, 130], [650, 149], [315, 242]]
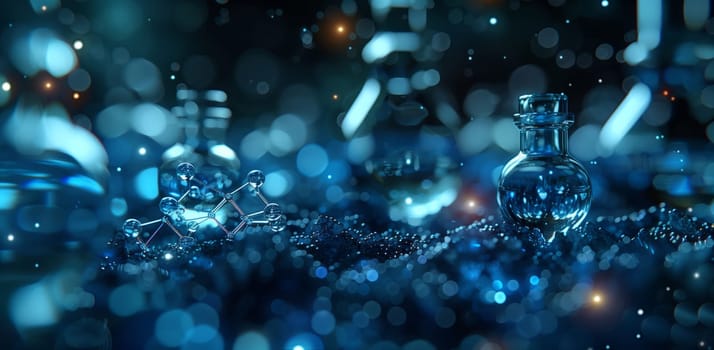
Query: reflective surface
[[549, 193], [543, 187], [318, 91]]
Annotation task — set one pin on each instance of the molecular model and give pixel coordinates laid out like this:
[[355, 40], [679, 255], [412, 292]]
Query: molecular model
[[186, 222]]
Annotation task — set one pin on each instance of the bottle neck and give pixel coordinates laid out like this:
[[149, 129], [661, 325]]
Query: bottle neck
[[205, 132], [544, 141]]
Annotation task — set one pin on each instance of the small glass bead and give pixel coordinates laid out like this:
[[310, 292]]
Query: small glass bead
[[168, 205], [256, 178], [185, 171], [132, 228]]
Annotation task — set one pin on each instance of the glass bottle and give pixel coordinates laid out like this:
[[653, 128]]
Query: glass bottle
[[543, 187], [200, 166], [204, 119]]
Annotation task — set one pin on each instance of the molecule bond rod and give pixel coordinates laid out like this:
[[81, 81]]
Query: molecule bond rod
[[174, 229], [155, 232], [240, 226], [184, 195], [262, 198], [239, 188], [255, 214], [218, 206], [223, 228], [153, 222], [236, 207]]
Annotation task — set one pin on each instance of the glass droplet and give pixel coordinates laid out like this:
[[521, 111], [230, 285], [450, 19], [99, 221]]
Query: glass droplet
[[185, 171], [256, 178], [132, 228], [168, 205], [278, 224], [272, 211]]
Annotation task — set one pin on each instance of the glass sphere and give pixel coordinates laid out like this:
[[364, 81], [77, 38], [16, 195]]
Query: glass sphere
[[168, 205], [132, 228], [272, 211], [548, 193], [185, 171], [256, 178], [278, 224]]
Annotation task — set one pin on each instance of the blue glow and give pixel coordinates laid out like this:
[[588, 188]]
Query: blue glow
[[39, 185], [304, 341], [696, 13], [119, 19], [118, 206], [224, 152], [126, 300], [499, 297], [277, 183], [372, 275], [201, 334], [172, 327], [312, 160], [323, 322], [251, 340], [681, 187], [144, 77], [146, 183], [364, 102], [321, 272], [5, 90], [384, 43], [334, 193], [8, 198], [635, 53], [37, 129], [534, 280], [338, 170], [60, 58], [493, 21], [471, 271], [425, 79], [497, 284], [649, 23], [42, 6], [417, 208], [360, 149], [43, 50], [676, 185], [399, 86], [649, 28], [447, 114], [417, 18], [85, 183], [32, 306], [625, 116]]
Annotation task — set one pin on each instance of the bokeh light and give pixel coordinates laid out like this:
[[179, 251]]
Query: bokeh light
[[380, 129]]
